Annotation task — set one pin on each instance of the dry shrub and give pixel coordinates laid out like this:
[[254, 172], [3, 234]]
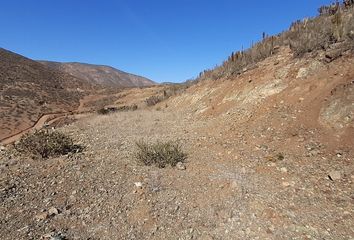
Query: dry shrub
[[169, 91], [108, 110], [47, 144], [160, 154], [103, 111], [153, 100]]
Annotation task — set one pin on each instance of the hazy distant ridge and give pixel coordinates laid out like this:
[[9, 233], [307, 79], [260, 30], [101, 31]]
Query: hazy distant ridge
[[99, 74]]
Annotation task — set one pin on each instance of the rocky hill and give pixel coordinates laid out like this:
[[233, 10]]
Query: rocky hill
[[29, 89], [101, 75]]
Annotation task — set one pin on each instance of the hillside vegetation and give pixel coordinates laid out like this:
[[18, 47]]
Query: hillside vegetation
[[332, 32]]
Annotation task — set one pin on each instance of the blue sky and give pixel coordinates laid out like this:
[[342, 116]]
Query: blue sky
[[164, 40]]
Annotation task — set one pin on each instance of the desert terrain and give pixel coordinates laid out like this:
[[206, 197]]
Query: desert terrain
[[269, 157], [268, 138]]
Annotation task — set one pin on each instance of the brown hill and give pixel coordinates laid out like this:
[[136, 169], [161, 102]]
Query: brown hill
[[98, 74], [29, 89]]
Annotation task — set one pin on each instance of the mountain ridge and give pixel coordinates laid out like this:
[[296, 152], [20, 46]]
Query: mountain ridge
[[104, 75]]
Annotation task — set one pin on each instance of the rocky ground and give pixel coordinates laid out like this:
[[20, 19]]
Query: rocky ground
[[270, 156], [232, 188]]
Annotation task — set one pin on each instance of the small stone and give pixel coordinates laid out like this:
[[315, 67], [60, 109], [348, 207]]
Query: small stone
[[41, 216], [286, 184], [53, 211], [335, 175], [2, 148], [138, 184], [234, 185], [284, 169], [180, 166]]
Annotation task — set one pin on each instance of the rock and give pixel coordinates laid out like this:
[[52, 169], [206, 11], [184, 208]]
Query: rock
[[286, 184], [180, 166], [335, 175], [53, 211], [313, 67], [303, 72], [284, 169], [54, 236], [41, 216], [2, 148], [138, 184], [332, 55]]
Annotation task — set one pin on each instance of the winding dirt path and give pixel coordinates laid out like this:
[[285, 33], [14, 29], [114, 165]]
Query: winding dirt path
[[52, 117]]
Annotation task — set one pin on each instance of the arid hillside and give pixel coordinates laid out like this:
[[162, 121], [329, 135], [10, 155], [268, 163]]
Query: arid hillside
[[266, 141], [101, 75], [270, 156], [29, 89]]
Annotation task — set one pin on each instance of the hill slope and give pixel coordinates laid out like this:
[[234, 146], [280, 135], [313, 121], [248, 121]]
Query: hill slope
[[29, 89], [99, 74], [265, 149]]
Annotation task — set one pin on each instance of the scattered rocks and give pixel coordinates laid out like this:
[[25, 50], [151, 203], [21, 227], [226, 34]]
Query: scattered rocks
[[54, 236]]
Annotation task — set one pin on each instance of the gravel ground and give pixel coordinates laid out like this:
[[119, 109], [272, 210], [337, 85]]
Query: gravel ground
[[231, 188]]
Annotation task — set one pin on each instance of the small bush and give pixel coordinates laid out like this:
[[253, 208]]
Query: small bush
[[47, 144], [108, 110], [160, 154], [103, 111], [153, 100]]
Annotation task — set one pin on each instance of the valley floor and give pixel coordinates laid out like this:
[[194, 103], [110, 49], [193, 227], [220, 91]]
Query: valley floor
[[232, 188]]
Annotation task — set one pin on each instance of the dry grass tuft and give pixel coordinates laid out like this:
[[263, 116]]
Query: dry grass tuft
[[47, 144], [160, 154]]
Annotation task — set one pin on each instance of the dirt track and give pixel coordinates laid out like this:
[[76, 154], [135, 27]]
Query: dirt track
[[53, 117]]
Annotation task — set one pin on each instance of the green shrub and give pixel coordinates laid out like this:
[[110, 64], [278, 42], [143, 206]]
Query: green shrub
[[47, 144], [160, 154]]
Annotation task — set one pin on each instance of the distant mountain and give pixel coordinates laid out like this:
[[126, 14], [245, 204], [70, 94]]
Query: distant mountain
[[98, 74], [29, 89]]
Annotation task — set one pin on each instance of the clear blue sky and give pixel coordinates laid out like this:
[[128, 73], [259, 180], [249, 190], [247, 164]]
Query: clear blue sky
[[164, 40]]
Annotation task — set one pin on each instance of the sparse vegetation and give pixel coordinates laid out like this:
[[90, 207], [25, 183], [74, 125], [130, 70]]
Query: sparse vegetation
[[280, 156], [153, 100], [334, 25], [169, 91], [103, 111], [160, 154], [107, 110], [47, 144]]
